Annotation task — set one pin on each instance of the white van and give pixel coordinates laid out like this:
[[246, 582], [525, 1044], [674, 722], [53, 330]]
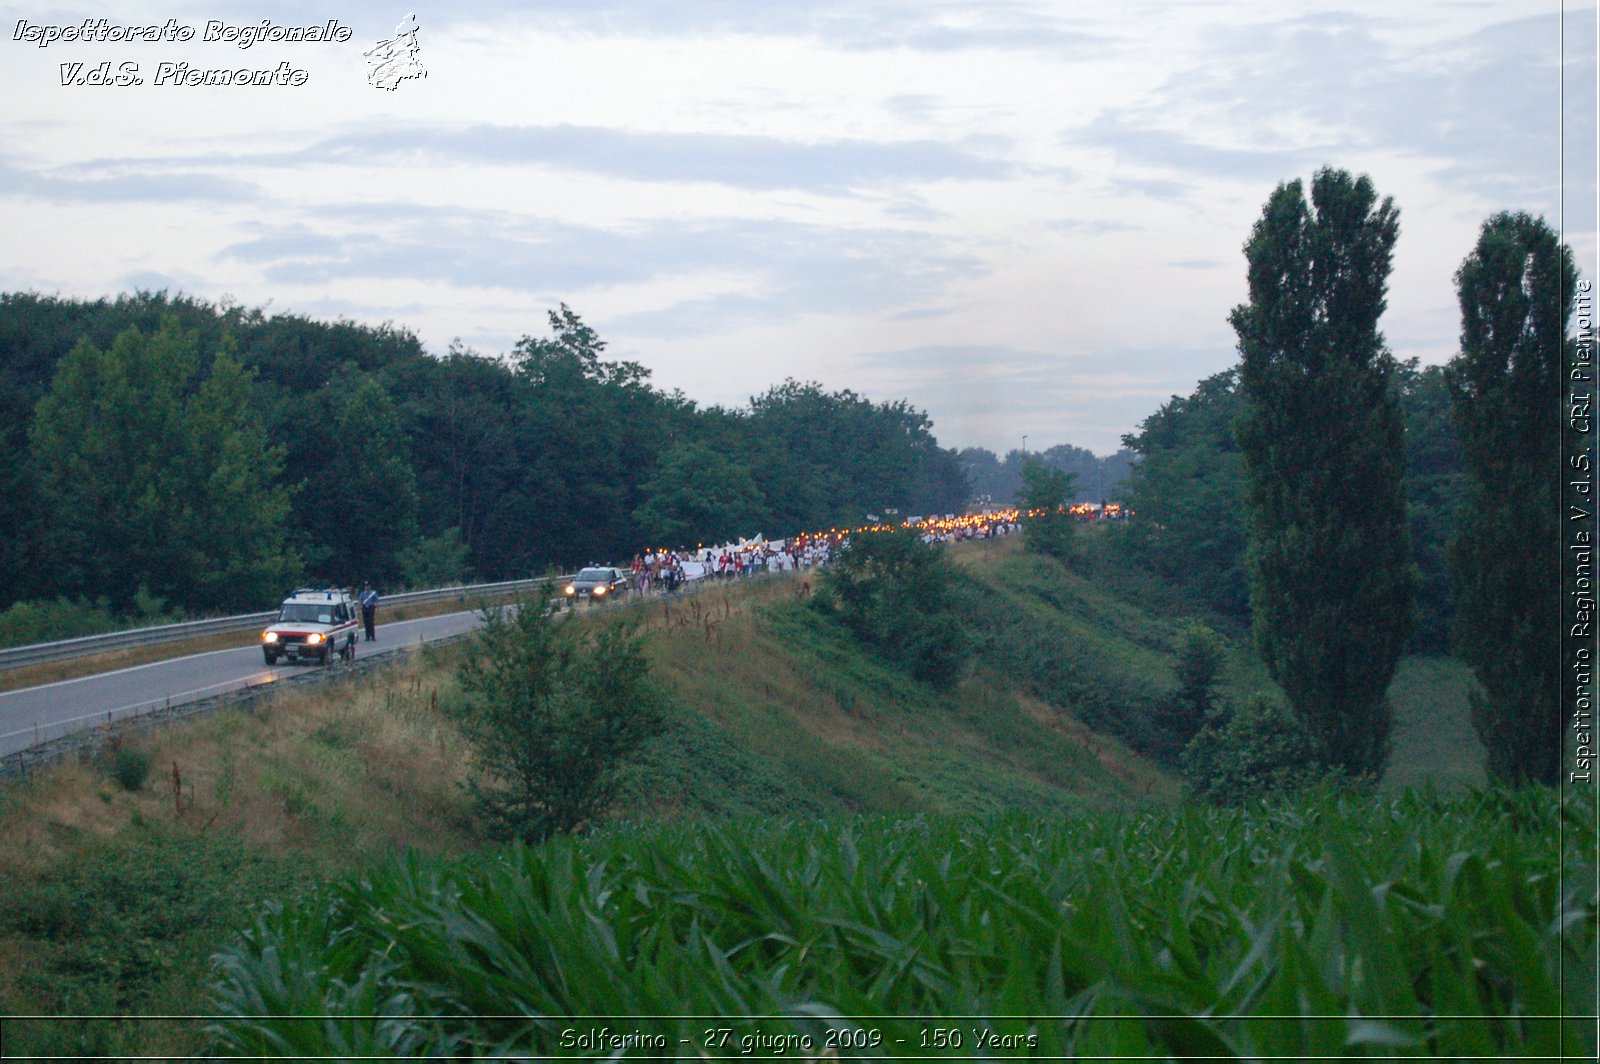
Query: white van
[[314, 624]]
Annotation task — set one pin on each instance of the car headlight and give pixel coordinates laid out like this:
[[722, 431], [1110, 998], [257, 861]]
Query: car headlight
[[313, 639], [269, 637], [601, 590]]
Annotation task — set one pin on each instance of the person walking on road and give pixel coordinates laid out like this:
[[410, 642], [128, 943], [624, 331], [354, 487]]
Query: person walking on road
[[369, 612]]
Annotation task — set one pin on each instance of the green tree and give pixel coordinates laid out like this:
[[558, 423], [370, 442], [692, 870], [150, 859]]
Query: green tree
[[897, 594], [435, 561], [1186, 496], [1044, 499], [238, 513], [1332, 588], [824, 459], [358, 502], [587, 432], [1201, 655], [156, 482], [459, 414], [698, 494], [1516, 292], [107, 440], [553, 712], [573, 349], [1256, 751]]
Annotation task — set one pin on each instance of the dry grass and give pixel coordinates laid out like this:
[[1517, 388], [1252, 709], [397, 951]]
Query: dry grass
[[722, 660], [314, 785], [341, 773], [338, 772]]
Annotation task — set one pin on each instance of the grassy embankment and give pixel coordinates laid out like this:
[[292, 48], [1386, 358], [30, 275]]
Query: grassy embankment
[[117, 897]]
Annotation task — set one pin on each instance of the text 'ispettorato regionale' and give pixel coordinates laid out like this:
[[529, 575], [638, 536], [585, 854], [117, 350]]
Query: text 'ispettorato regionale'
[[213, 31]]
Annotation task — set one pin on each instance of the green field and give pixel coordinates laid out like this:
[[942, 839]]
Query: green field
[[1328, 927]]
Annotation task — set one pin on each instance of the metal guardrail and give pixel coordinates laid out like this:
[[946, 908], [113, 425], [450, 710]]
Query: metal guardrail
[[66, 740], [73, 738], [60, 650]]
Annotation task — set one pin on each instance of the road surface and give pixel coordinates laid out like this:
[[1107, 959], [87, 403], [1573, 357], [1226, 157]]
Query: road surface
[[35, 715]]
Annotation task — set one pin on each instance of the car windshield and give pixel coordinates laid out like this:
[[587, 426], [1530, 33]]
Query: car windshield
[[307, 612], [596, 575]]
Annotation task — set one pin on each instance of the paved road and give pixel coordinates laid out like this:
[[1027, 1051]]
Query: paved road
[[38, 714]]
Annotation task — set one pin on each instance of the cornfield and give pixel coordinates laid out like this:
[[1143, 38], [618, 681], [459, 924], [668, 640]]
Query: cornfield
[[1334, 926]]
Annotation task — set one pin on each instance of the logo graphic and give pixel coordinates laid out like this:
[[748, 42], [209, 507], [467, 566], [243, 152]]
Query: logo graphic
[[392, 61]]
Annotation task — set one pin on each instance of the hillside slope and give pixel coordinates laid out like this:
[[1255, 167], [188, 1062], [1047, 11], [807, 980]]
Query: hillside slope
[[785, 712]]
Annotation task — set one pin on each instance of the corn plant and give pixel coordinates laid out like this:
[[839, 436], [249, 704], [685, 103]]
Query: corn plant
[[1331, 926]]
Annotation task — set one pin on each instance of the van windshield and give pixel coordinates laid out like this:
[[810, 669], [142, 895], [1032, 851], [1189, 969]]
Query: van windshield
[[307, 612]]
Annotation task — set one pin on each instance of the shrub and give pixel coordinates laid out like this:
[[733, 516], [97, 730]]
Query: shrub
[[1261, 749], [1201, 653], [554, 713], [130, 768], [437, 561], [46, 620], [896, 594]]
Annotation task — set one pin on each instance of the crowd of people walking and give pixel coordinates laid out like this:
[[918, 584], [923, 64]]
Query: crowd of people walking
[[661, 569]]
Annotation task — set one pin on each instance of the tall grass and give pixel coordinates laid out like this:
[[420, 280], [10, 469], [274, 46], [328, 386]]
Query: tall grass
[[1330, 927]]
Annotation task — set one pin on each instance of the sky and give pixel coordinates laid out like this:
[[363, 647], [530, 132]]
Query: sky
[[1025, 219]]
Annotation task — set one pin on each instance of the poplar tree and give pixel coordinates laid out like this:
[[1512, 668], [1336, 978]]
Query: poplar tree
[[1516, 292], [1332, 589]]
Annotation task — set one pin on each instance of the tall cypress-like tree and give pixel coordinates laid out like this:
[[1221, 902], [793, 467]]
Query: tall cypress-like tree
[[1332, 588], [1516, 301]]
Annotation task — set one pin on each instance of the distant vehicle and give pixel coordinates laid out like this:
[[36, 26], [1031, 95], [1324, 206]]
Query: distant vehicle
[[596, 583], [313, 624]]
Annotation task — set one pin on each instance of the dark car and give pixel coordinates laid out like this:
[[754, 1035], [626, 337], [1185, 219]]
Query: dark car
[[597, 583]]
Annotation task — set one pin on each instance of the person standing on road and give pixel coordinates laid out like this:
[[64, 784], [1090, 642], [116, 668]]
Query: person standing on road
[[369, 612]]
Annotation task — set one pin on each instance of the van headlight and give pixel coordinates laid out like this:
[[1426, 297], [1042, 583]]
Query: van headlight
[[313, 639], [269, 637]]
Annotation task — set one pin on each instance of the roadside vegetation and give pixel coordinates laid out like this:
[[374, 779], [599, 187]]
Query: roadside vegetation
[[774, 710]]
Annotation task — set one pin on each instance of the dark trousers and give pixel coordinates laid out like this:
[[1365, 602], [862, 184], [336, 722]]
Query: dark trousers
[[369, 617]]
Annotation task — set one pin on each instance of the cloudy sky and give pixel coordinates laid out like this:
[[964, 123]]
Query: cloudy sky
[[1023, 218]]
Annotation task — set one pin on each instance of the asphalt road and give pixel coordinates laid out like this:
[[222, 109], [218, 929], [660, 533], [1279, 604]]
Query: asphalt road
[[35, 715]]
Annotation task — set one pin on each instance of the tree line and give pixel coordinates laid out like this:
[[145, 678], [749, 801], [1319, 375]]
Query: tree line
[[166, 454], [1278, 494], [1095, 478]]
